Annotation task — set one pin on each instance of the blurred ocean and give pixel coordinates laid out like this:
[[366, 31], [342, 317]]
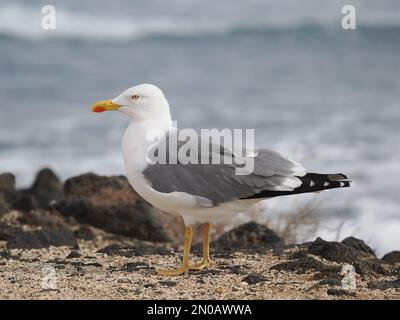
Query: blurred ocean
[[328, 97]]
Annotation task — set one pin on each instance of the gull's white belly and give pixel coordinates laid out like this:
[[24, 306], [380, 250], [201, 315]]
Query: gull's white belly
[[160, 200]]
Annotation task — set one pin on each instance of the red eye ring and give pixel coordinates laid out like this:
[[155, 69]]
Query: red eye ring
[[135, 97]]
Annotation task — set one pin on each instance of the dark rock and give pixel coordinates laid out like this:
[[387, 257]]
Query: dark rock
[[8, 232], [254, 278], [332, 282], [7, 192], [298, 254], [4, 205], [167, 283], [7, 182], [71, 220], [25, 202], [129, 252], [222, 253], [73, 254], [42, 239], [118, 250], [111, 204], [359, 246], [340, 292], [329, 276], [145, 250], [77, 264], [392, 257], [84, 233], [352, 251], [6, 254], [233, 269], [303, 265], [300, 262], [135, 266], [249, 235], [333, 251], [42, 218], [370, 266], [384, 285], [47, 188], [89, 264]]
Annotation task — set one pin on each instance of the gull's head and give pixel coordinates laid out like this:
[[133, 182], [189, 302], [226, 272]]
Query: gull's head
[[141, 102]]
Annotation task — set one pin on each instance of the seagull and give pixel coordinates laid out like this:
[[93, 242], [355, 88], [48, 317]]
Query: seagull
[[200, 193]]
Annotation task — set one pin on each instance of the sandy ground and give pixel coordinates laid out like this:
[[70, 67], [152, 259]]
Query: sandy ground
[[88, 228], [54, 273]]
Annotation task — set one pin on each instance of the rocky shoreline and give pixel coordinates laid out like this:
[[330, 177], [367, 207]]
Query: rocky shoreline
[[93, 237]]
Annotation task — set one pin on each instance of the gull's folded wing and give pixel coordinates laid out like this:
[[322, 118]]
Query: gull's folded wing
[[220, 182]]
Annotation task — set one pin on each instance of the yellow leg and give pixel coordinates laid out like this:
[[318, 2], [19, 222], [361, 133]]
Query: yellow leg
[[206, 249], [185, 260]]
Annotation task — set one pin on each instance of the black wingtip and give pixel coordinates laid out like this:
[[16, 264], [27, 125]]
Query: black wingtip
[[345, 184]]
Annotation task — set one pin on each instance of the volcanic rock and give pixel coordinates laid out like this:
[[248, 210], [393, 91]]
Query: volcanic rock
[[111, 204], [392, 257], [333, 251], [42, 239], [249, 235], [47, 188]]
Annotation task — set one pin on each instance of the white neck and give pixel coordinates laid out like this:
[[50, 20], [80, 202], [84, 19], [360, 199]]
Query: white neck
[[137, 140]]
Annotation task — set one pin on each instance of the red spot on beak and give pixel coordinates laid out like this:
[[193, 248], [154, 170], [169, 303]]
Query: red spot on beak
[[99, 109]]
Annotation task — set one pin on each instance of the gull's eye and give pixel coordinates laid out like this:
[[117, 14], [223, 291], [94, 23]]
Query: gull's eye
[[135, 97]]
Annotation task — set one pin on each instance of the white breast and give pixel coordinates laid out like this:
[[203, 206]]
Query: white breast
[[134, 149]]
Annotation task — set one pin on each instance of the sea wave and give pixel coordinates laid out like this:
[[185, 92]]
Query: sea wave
[[25, 23]]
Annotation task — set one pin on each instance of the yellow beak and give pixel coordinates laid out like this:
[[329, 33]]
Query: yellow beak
[[105, 105]]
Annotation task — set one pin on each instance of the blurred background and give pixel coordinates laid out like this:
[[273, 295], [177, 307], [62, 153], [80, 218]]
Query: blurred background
[[327, 97]]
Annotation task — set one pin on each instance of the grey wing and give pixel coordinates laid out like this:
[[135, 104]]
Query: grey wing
[[220, 182]]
